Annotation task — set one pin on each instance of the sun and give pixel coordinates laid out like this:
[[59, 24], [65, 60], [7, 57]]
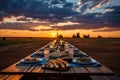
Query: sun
[[53, 35]]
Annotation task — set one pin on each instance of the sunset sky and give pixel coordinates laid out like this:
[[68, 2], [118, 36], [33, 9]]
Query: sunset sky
[[45, 18]]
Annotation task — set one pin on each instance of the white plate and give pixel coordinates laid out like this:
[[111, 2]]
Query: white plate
[[80, 62], [37, 60]]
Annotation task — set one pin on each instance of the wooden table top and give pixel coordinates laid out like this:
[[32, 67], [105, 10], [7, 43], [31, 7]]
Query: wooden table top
[[13, 69], [74, 71]]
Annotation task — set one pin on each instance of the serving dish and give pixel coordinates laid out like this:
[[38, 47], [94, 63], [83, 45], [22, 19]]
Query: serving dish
[[57, 64]]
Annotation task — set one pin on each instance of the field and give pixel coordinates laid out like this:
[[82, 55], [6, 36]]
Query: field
[[106, 51], [14, 49]]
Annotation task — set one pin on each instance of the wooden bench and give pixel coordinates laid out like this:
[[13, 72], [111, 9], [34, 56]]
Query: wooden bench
[[10, 77]]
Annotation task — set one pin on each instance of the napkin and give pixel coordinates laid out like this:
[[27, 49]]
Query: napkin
[[96, 64], [21, 63], [80, 55], [37, 56]]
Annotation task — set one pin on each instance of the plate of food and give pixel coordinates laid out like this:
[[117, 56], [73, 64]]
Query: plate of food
[[83, 60], [58, 54], [79, 54], [31, 60], [57, 64]]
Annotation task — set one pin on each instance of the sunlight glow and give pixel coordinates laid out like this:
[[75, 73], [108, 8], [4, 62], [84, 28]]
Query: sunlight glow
[[12, 19], [53, 35], [66, 23], [42, 28]]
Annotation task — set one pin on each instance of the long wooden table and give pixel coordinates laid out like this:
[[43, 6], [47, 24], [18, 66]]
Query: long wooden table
[[74, 71], [13, 69]]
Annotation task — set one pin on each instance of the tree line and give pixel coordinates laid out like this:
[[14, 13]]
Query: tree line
[[77, 35]]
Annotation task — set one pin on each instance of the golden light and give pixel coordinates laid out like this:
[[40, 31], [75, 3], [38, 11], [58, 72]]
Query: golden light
[[54, 34]]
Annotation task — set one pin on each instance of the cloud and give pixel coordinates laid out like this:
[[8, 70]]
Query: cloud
[[54, 12], [49, 11], [98, 3], [24, 26], [43, 9], [109, 10], [112, 18], [106, 29], [65, 23]]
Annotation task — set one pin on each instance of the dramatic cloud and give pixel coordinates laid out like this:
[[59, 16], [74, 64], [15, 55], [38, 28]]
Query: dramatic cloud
[[25, 26], [104, 29], [82, 14]]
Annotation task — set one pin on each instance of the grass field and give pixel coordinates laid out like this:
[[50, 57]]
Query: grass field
[[16, 40], [106, 51]]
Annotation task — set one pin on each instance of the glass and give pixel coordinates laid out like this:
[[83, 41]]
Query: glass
[[51, 46], [71, 52], [66, 47], [46, 53]]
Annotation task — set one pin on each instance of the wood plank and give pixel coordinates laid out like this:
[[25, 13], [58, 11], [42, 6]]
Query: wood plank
[[100, 71], [13, 69], [94, 71], [38, 69], [48, 72], [80, 71], [35, 71], [14, 77], [68, 72], [106, 70], [3, 77], [30, 69]]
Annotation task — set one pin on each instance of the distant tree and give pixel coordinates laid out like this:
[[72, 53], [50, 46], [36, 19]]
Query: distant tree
[[86, 36], [60, 36], [73, 36], [109, 37], [99, 36], [78, 35], [4, 38]]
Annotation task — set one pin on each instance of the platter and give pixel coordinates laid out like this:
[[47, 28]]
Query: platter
[[57, 65]]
